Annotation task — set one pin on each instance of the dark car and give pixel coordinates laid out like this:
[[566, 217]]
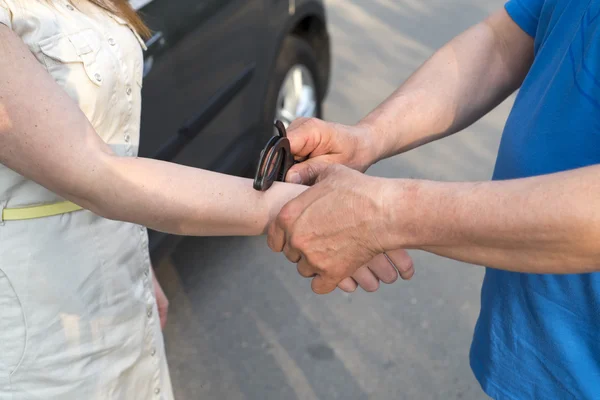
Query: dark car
[[217, 73]]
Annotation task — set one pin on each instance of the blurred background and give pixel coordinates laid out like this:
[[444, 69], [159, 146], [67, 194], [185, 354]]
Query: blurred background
[[244, 325]]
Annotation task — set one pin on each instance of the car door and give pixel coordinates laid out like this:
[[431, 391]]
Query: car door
[[199, 64]]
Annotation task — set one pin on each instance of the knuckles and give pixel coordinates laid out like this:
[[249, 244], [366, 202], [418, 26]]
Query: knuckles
[[297, 243], [288, 215]]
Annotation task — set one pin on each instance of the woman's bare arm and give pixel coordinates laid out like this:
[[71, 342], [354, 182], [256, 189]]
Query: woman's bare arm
[[45, 137]]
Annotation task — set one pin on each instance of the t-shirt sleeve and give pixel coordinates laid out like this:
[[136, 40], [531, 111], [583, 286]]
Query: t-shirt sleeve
[[526, 13], [5, 14]]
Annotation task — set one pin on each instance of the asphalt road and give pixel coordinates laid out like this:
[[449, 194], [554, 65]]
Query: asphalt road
[[244, 325]]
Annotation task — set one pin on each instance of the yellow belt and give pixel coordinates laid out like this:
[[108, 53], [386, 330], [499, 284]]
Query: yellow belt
[[45, 210]]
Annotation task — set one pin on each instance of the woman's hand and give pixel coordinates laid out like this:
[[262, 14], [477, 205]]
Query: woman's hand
[[380, 269], [161, 301]]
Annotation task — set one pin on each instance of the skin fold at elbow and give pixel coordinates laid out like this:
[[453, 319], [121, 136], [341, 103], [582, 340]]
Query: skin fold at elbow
[[98, 190]]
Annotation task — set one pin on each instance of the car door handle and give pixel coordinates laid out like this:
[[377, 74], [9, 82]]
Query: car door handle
[[156, 43]]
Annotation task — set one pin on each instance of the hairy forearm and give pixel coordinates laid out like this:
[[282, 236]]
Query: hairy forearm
[[459, 84], [546, 224]]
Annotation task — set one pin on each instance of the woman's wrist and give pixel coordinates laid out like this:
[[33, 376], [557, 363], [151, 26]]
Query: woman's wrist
[[278, 196]]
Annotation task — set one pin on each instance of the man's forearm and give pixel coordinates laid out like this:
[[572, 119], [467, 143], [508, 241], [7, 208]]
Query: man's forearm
[[546, 224], [459, 84]]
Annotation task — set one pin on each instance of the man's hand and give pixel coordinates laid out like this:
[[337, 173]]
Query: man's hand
[[335, 227], [161, 301], [324, 143]]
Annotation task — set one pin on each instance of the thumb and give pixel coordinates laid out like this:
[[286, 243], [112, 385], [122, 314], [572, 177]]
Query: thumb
[[305, 136], [306, 172]]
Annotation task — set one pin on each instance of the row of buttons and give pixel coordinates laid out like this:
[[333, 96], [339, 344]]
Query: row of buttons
[[153, 349], [150, 307]]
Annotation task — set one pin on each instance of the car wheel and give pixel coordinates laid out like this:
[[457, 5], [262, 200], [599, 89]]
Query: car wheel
[[294, 91]]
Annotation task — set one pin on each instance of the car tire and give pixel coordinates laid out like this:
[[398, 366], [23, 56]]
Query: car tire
[[295, 52]]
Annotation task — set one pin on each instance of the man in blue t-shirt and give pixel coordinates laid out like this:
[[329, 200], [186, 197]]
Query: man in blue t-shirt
[[536, 225]]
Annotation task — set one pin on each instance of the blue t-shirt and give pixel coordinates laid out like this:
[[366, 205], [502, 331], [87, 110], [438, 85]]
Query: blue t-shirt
[[538, 336]]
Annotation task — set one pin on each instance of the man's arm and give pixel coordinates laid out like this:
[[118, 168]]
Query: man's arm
[[545, 224], [459, 84]]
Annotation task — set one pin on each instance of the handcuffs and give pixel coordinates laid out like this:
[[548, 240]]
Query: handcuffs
[[274, 163], [275, 160]]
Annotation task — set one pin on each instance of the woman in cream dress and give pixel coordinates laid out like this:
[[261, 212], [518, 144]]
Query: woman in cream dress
[[78, 314]]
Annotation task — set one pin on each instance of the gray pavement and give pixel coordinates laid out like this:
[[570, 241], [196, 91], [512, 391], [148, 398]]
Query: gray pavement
[[244, 325]]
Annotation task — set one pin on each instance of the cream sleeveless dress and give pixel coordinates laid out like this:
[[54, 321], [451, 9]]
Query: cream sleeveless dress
[[78, 316]]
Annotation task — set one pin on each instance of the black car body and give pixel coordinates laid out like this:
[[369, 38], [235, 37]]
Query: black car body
[[212, 74]]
